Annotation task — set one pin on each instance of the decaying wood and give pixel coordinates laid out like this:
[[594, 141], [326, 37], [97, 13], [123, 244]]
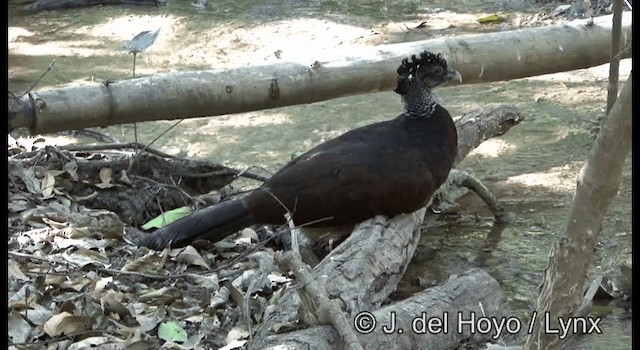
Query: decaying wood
[[325, 310], [479, 58], [477, 126], [48, 5], [563, 280], [474, 292], [358, 273]]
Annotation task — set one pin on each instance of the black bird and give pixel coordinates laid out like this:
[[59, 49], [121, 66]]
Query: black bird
[[386, 168]]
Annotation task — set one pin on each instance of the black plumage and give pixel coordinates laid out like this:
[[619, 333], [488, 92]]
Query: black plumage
[[385, 168]]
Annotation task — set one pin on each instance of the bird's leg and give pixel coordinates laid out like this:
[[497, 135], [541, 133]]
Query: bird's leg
[[464, 179]]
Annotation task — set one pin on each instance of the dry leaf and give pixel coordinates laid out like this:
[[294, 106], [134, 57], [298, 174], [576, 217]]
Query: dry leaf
[[61, 243], [72, 169], [88, 197], [162, 296], [83, 257], [101, 342], [48, 181], [188, 255], [29, 178], [38, 315], [106, 175], [101, 284], [151, 319], [66, 323], [234, 344], [15, 271], [221, 297], [150, 263], [111, 304], [18, 328], [124, 178]]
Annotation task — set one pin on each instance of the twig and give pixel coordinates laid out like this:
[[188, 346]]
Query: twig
[[614, 64], [327, 310], [135, 130], [233, 172], [173, 186], [93, 133], [99, 269], [256, 247], [163, 133], [41, 76], [295, 247]]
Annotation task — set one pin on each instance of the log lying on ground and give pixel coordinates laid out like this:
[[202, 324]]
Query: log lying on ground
[[472, 293], [361, 275], [479, 58]]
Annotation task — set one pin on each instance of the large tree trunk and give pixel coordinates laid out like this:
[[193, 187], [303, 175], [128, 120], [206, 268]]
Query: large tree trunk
[[479, 58], [598, 182]]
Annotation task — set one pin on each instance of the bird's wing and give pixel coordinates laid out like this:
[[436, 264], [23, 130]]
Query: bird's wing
[[348, 181]]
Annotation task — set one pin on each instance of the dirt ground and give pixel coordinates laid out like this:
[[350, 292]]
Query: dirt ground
[[532, 169]]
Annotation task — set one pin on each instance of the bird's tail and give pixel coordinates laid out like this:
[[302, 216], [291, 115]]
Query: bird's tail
[[213, 223]]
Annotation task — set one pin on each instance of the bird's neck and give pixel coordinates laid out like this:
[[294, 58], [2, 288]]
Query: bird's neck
[[418, 102]]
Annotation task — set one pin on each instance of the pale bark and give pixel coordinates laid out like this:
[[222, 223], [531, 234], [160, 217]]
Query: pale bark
[[479, 58], [474, 292], [564, 278]]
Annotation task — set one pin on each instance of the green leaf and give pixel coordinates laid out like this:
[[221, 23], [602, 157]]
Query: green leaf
[[171, 331], [167, 218], [491, 18]]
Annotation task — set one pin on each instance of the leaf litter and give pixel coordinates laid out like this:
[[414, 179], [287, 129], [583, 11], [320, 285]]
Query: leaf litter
[[77, 279]]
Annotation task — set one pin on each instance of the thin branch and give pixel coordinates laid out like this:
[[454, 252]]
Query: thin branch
[[41, 76]]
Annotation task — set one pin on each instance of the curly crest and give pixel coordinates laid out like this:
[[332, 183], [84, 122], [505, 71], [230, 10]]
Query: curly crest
[[427, 66]]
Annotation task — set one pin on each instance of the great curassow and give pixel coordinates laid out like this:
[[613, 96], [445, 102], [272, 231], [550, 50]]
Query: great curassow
[[386, 168]]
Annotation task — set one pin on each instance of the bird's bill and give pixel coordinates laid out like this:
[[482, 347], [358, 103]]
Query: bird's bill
[[454, 74]]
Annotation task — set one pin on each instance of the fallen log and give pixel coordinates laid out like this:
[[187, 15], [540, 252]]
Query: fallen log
[[479, 58], [474, 294]]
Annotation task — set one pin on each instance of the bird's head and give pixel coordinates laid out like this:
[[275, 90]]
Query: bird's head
[[430, 69]]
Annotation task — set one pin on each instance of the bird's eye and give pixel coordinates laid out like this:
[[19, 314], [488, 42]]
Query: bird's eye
[[437, 70]]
